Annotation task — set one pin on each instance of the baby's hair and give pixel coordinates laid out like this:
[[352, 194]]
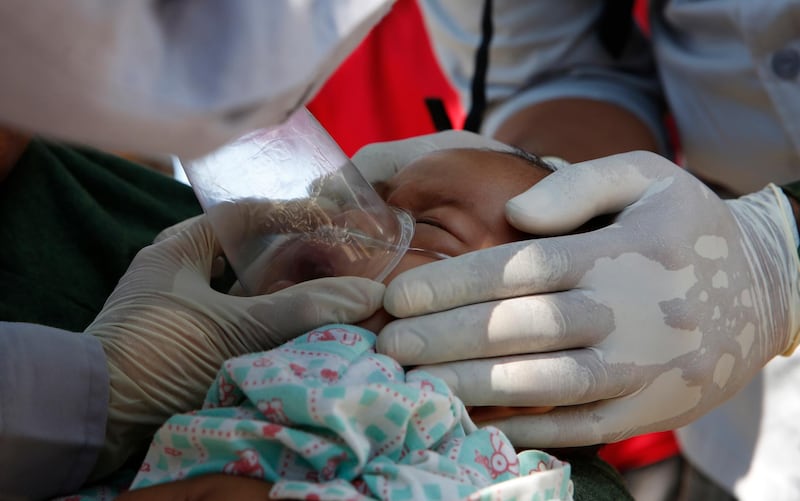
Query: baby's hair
[[532, 158]]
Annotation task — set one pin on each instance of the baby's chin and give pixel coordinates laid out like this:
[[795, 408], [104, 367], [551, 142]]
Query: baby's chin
[[485, 414], [377, 321]]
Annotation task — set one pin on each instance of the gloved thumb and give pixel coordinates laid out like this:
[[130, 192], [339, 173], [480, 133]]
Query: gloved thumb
[[380, 161], [176, 228], [572, 195], [218, 263], [189, 245], [308, 305]]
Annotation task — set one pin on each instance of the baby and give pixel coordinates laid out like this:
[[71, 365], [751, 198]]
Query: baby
[[326, 416], [457, 199]]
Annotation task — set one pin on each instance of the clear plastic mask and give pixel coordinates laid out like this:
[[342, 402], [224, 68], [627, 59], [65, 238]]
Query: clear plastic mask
[[287, 206]]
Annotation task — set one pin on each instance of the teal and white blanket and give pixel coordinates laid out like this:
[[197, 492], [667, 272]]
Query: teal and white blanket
[[325, 417]]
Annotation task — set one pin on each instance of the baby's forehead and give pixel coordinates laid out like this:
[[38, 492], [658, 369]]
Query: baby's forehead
[[450, 159], [430, 166], [483, 161], [456, 165]]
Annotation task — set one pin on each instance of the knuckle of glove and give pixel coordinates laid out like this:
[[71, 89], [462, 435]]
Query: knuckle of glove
[[375, 163], [176, 228], [290, 314]]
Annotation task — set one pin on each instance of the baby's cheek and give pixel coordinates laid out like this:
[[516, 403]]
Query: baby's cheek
[[410, 260]]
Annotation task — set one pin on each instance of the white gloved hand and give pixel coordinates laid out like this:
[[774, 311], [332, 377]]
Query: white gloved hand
[[166, 332], [640, 326], [380, 161]]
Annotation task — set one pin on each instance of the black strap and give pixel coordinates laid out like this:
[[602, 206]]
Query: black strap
[[437, 111], [478, 107], [615, 26]]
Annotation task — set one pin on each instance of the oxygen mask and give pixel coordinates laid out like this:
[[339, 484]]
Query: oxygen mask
[[287, 205]]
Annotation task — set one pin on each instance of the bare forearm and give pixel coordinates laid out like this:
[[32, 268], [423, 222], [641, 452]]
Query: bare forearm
[[576, 129], [213, 487]]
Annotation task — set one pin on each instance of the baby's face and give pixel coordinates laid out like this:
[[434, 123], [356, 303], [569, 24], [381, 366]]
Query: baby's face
[[457, 199]]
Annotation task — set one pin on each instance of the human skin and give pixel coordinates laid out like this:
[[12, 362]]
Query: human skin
[[216, 487], [457, 199], [576, 129]]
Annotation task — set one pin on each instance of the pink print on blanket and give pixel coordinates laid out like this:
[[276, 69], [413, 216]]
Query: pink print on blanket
[[503, 458], [324, 415]]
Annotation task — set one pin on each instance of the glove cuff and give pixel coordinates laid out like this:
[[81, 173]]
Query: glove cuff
[[792, 192], [790, 227]]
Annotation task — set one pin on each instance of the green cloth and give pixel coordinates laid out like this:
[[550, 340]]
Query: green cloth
[[74, 218], [72, 221], [594, 479]]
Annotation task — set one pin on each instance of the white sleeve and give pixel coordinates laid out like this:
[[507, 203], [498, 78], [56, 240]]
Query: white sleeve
[[177, 76], [53, 406], [542, 50]]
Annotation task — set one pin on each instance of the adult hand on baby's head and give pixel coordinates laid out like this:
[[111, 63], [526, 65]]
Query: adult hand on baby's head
[[640, 326], [380, 161], [166, 332]]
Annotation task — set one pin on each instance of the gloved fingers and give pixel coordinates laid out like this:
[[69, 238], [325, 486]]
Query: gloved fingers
[[377, 164], [193, 245], [219, 263], [477, 277], [512, 270], [588, 424], [640, 185], [559, 378], [561, 427], [529, 324], [307, 305], [449, 139], [571, 196], [380, 161]]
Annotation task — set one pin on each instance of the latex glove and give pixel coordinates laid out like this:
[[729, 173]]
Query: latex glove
[[166, 332], [380, 161], [640, 326]]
